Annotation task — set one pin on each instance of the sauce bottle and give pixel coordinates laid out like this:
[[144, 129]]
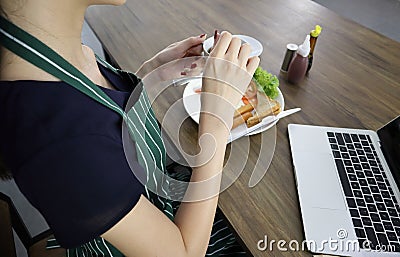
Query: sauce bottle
[[313, 40], [298, 66]]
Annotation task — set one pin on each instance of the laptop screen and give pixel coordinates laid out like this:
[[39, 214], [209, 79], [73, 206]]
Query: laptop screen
[[390, 143]]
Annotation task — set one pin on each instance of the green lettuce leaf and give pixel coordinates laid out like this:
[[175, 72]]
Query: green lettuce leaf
[[267, 82]]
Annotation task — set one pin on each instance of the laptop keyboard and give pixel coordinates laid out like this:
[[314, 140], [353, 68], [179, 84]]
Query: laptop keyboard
[[373, 207]]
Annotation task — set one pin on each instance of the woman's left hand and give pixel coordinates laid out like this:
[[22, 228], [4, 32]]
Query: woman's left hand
[[192, 46]]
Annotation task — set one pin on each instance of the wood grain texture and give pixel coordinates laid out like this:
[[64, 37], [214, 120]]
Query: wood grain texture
[[354, 82]]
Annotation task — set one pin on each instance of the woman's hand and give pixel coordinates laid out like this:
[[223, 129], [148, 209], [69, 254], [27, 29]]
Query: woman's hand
[[227, 74], [192, 46]]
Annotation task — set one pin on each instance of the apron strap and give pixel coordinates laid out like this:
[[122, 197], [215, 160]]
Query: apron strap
[[107, 65], [37, 53]]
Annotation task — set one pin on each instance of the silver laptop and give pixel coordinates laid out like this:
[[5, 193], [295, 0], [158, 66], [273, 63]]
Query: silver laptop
[[348, 184]]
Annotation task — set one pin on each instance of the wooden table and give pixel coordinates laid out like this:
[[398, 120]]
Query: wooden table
[[354, 82]]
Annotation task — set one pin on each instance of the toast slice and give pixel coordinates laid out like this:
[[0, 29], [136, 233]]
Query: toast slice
[[265, 107]]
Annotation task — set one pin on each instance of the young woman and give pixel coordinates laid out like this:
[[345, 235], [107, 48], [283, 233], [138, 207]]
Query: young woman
[[65, 151]]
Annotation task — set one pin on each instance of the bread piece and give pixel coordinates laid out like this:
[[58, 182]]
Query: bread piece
[[243, 109], [274, 108], [241, 119]]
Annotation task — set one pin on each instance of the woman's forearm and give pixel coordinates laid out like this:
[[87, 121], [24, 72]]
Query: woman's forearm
[[195, 219], [147, 67]]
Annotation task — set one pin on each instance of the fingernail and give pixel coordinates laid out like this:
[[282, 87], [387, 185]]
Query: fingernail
[[194, 65], [183, 73], [202, 35]]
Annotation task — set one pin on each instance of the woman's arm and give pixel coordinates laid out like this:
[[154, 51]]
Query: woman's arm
[[146, 231]]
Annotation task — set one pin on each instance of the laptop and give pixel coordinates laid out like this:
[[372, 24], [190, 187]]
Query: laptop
[[348, 184]]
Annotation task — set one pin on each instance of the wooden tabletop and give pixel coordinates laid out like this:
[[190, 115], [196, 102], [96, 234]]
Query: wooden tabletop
[[354, 82]]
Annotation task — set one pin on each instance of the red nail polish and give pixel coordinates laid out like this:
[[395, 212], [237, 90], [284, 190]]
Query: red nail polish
[[194, 65], [202, 35], [183, 73]]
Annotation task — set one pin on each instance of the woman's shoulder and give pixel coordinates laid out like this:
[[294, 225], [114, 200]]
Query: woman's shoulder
[[19, 93], [36, 94], [41, 112]]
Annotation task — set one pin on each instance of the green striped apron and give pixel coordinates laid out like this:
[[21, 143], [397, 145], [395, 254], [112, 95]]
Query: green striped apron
[[142, 127]]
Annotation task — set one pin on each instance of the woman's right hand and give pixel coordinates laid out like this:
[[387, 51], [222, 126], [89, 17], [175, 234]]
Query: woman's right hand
[[227, 74]]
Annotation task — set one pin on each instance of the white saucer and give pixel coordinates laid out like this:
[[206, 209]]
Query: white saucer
[[256, 46]]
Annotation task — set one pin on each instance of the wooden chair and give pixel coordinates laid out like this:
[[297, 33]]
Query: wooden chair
[[35, 246]]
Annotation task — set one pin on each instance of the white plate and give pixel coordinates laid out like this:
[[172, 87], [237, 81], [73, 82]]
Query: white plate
[[191, 102], [256, 46]]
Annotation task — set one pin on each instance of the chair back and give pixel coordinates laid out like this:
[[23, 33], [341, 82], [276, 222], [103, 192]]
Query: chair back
[[35, 246]]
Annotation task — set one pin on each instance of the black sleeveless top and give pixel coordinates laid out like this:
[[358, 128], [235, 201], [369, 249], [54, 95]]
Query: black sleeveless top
[[65, 152]]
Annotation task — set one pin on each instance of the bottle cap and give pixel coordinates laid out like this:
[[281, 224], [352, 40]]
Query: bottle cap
[[304, 49], [315, 32]]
